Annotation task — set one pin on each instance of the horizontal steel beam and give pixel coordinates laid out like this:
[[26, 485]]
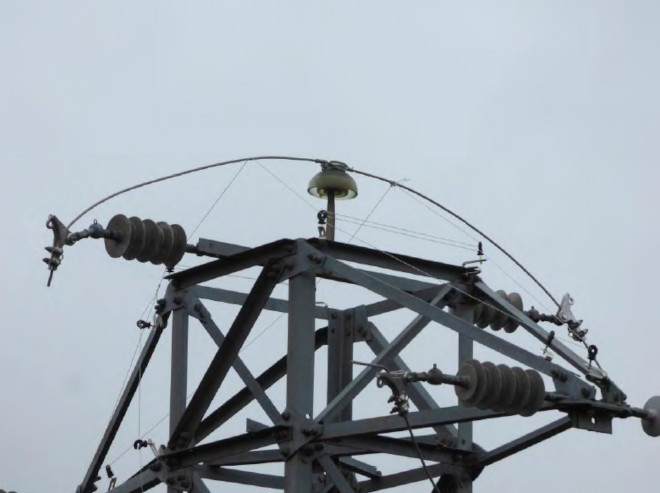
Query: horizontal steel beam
[[374, 444], [419, 419], [221, 250], [410, 476], [214, 451], [233, 263], [392, 261], [236, 298], [246, 458], [360, 467], [242, 477], [387, 305]]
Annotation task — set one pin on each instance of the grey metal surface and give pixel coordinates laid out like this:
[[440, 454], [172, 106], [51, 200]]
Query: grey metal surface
[[179, 371], [236, 298], [217, 370], [300, 377], [362, 380], [241, 399], [417, 419], [178, 367], [241, 369], [465, 437], [408, 477], [242, 477], [326, 446]]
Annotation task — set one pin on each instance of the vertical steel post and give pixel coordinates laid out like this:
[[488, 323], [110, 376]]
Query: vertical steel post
[[340, 359], [340, 365], [465, 352], [300, 376], [179, 370]]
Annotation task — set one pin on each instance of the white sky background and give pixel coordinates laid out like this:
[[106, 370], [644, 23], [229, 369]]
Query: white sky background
[[536, 120]]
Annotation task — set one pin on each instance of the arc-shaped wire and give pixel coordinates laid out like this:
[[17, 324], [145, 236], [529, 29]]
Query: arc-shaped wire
[[330, 163]]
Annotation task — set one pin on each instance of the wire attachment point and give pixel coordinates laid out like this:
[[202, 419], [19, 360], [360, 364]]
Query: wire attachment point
[[143, 324], [60, 235]]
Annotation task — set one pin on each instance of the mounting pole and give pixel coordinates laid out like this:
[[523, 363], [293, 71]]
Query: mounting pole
[[179, 370], [330, 231], [300, 377], [466, 429]]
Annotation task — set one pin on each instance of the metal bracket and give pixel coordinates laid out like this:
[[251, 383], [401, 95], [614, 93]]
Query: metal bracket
[[592, 420], [357, 317], [60, 235], [179, 479], [565, 315]]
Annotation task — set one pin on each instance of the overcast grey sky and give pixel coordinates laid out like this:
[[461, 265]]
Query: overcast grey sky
[[536, 120]]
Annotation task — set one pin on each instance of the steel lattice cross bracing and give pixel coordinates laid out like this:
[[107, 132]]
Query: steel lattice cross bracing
[[326, 449]]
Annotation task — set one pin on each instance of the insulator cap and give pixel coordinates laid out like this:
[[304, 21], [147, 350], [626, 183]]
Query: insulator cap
[[651, 424], [146, 240], [333, 180]]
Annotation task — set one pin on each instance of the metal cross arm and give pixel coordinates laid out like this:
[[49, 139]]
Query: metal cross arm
[[454, 323], [392, 261], [542, 335], [233, 263]]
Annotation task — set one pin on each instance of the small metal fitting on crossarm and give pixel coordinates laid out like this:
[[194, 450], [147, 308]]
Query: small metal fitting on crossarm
[[563, 316], [62, 236], [397, 381]]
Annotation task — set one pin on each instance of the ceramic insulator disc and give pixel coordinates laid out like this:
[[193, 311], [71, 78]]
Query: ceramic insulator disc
[[121, 225]]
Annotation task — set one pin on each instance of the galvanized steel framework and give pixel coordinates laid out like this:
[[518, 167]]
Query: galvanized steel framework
[[329, 451]]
